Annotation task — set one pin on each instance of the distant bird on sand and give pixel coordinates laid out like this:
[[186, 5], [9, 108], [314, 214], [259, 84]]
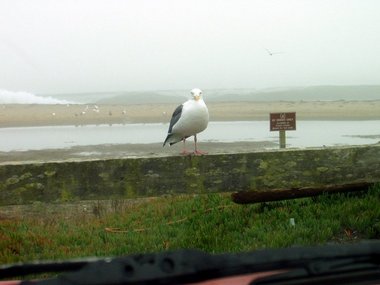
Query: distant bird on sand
[[188, 120]]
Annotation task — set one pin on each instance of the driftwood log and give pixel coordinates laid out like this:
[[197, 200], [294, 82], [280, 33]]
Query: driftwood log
[[247, 197]]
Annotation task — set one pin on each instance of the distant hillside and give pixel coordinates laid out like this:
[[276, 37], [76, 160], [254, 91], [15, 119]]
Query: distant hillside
[[312, 93], [140, 97]]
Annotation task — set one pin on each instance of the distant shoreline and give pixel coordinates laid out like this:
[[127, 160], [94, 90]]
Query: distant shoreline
[[28, 115]]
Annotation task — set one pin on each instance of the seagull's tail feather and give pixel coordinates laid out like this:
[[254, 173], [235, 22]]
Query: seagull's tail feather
[[172, 139], [167, 140]]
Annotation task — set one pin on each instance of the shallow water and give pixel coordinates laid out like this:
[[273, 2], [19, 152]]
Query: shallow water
[[308, 134]]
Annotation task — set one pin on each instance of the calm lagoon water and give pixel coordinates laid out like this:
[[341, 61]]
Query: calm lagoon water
[[308, 134]]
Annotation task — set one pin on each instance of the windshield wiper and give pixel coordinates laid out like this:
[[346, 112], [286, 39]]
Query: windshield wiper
[[357, 270], [354, 262]]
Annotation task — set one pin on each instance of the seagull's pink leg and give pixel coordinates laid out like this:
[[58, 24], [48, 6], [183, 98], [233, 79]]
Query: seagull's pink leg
[[196, 150], [184, 151]]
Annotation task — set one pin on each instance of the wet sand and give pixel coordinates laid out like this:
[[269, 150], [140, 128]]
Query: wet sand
[[79, 153]]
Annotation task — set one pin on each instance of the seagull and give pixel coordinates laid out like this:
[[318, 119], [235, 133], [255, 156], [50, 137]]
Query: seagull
[[188, 119]]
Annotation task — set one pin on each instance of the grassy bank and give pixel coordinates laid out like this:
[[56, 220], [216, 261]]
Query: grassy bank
[[207, 222]]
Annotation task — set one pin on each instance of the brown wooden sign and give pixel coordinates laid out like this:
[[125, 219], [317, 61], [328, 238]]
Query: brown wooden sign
[[282, 121]]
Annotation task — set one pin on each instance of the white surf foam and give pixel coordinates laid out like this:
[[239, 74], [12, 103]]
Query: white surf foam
[[11, 97]]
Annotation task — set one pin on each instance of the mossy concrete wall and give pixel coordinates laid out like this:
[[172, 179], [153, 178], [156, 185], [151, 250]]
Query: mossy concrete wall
[[154, 176]]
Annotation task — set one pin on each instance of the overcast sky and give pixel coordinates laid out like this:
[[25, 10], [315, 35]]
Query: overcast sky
[[55, 46]]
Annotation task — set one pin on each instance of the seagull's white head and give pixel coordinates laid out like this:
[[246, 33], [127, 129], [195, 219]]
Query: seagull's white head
[[196, 93]]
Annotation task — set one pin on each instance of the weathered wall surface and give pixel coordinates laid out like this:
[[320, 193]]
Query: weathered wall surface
[[138, 177]]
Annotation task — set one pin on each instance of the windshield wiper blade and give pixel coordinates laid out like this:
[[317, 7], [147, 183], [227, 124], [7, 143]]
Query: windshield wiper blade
[[36, 267], [360, 270], [186, 266]]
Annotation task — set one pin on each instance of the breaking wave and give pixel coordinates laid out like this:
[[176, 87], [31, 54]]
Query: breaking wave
[[11, 97]]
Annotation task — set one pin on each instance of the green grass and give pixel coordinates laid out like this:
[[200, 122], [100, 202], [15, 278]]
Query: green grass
[[208, 222]]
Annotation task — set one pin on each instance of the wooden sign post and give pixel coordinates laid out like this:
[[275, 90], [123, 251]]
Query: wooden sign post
[[282, 122]]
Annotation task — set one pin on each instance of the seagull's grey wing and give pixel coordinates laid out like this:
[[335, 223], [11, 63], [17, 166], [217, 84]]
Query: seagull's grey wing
[[175, 117]]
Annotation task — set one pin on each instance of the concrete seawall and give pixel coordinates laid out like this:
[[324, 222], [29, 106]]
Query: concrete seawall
[[155, 176]]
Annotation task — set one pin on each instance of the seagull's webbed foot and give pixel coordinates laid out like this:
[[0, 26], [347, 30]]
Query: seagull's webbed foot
[[196, 150], [185, 152]]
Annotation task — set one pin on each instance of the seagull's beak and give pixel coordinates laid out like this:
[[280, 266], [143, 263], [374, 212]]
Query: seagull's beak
[[197, 97]]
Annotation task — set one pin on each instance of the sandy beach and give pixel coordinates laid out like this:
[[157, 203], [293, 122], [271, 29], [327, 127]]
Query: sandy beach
[[18, 115], [49, 115]]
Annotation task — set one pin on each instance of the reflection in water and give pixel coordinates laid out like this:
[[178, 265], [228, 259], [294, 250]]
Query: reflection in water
[[308, 134]]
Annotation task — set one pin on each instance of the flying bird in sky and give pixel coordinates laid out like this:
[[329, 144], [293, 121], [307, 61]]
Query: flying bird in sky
[[188, 119], [272, 53]]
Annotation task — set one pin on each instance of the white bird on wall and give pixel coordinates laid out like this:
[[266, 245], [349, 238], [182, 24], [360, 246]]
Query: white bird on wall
[[188, 119]]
